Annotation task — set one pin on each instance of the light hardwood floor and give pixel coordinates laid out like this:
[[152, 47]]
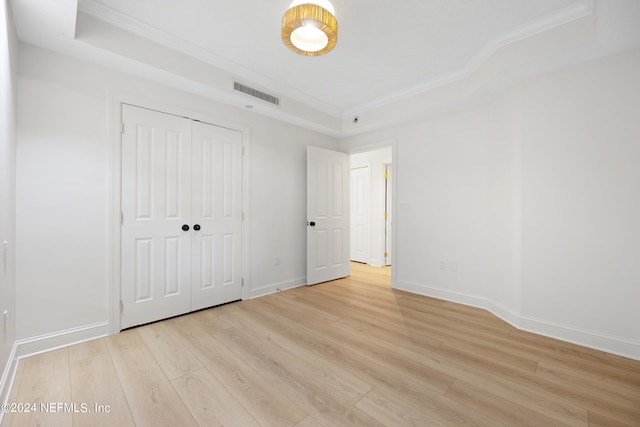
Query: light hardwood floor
[[348, 352]]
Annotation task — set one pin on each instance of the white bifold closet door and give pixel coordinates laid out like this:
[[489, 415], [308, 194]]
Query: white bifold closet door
[[181, 216]]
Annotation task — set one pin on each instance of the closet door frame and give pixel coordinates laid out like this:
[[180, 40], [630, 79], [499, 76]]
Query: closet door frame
[[115, 121]]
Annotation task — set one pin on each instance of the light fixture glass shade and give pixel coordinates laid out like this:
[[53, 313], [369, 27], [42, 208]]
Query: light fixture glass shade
[[310, 29]]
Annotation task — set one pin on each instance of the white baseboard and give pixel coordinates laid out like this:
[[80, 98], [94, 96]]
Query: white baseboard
[[592, 339], [42, 343], [277, 287], [584, 337], [6, 382]]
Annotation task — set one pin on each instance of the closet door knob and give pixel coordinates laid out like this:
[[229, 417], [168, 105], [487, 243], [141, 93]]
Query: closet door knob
[[196, 227], [185, 227]]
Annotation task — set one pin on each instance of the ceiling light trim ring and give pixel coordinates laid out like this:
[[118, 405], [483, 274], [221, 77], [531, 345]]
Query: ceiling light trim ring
[[314, 15]]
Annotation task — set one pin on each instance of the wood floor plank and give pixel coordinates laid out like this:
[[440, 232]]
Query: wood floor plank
[[212, 320], [446, 410], [504, 410], [309, 421], [348, 352], [210, 402], [269, 311], [576, 356], [391, 411], [599, 420], [464, 315], [174, 359], [622, 393], [556, 389], [430, 333], [610, 400], [516, 390], [255, 309], [6, 418], [564, 412], [391, 311], [561, 412], [265, 403], [369, 325], [373, 340], [94, 380], [46, 387], [339, 382], [152, 398], [399, 361], [305, 390], [309, 313], [87, 350], [426, 337], [439, 329]]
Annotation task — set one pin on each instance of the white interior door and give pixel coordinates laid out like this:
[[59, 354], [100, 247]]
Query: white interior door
[[156, 203], [217, 212], [360, 213], [327, 215], [182, 216]]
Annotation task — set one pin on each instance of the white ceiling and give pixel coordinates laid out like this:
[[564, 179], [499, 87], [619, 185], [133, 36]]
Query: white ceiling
[[388, 51]]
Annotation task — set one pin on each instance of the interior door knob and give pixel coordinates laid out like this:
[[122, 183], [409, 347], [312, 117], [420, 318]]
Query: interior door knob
[[185, 227], [196, 227], [312, 224]]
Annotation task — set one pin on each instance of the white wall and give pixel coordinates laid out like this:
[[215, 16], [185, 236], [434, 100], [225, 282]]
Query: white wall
[[581, 197], [537, 198], [279, 203], [63, 189], [442, 214], [8, 93]]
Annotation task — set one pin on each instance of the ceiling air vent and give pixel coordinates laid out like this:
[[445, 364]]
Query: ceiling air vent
[[256, 93]]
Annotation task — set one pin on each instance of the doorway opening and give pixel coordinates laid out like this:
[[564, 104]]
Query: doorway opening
[[371, 208]]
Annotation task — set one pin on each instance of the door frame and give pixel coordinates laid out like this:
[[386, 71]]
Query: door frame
[[393, 143], [115, 119], [388, 225]]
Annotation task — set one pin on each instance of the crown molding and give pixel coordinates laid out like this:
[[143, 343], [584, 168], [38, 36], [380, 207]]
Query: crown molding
[[548, 22], [142, 29], [134, 26]]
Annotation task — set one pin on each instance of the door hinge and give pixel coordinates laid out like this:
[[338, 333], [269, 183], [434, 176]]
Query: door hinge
[[242, 283], [121, 306], [243, 150], [243, 216], [121, 127], [386, 176], [121, 217], [386, 215]]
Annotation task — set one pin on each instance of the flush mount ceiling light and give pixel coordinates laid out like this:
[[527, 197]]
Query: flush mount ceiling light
[[309, 27]]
